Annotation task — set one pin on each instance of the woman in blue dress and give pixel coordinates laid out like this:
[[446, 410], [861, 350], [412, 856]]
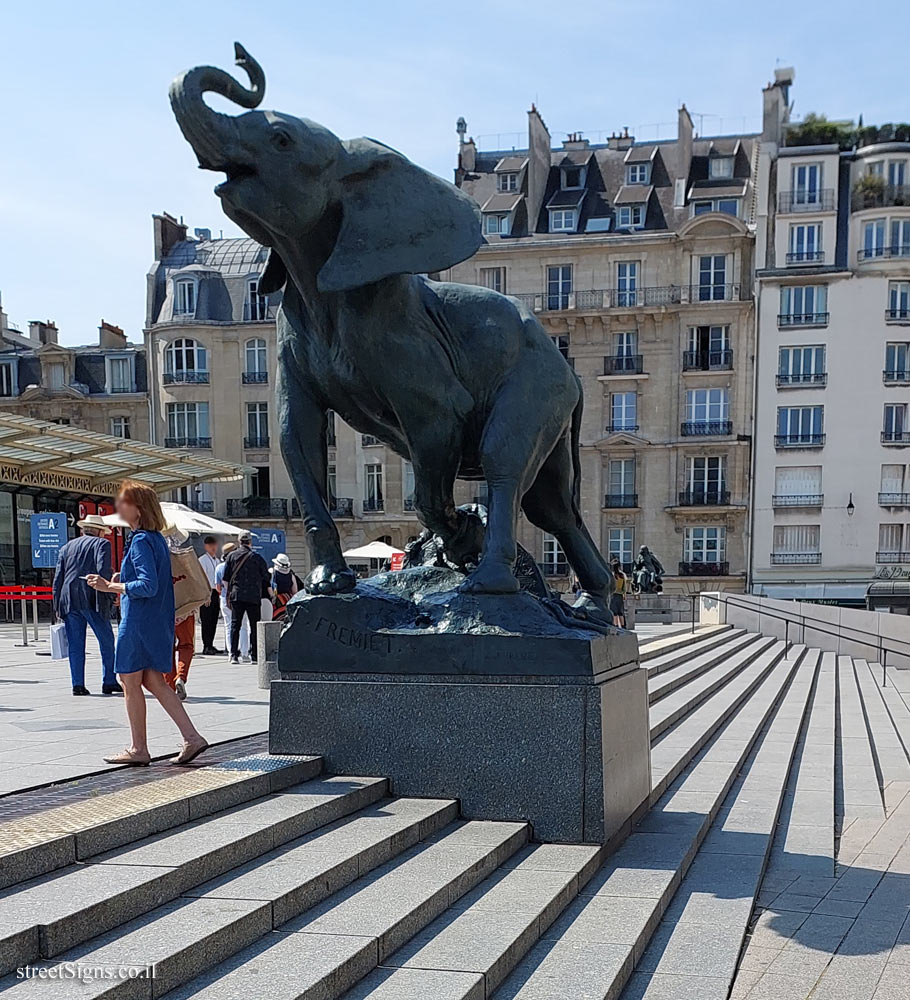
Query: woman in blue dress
[[145, 642]]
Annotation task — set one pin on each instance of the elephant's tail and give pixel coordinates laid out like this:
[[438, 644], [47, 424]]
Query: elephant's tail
[[574, 439]]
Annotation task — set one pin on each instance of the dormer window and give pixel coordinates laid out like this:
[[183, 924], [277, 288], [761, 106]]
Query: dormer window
[[119, 374], [507, 182], [495, 224], [573, 177], [55, 374], [563, 220], [638, 173], [185, 297], [630, 216], [720, 167]]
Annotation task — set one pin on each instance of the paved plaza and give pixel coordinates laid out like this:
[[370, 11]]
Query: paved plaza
[[48, 735]]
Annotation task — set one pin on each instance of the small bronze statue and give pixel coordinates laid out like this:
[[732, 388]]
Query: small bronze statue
[[462, 381], [647, 573]]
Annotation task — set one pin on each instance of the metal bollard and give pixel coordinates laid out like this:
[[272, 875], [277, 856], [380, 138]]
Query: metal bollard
[[24, 623], [884, 653], [35, 617]]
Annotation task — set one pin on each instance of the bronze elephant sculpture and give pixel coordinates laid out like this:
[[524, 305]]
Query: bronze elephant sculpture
[[462, 381]]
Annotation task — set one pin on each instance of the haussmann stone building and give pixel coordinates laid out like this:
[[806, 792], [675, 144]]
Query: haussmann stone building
[[637, 257]]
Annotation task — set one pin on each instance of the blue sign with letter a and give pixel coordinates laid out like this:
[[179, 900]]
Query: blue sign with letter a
[[48, 538], [268, 542]]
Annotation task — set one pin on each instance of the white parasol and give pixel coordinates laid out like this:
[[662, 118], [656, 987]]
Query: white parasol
[[186, 520], [374, 550]]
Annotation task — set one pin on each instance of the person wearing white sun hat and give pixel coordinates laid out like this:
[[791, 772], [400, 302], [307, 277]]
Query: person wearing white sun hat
[[284, 584], [79, 607]]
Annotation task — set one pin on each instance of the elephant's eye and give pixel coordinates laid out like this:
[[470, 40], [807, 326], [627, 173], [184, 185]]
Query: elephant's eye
[[281, 139]]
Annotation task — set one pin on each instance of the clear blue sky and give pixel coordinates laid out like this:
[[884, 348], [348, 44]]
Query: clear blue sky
[[89, 148]]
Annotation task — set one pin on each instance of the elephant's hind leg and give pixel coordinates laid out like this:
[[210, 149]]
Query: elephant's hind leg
[[550, 505], [516, 440]]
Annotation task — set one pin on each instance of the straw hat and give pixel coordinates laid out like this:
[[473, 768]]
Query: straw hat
[[95, 521]]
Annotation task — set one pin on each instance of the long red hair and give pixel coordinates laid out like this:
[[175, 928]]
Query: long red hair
[[151, 516]]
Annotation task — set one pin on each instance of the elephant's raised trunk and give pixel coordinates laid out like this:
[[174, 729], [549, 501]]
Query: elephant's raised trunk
[[207, 131]]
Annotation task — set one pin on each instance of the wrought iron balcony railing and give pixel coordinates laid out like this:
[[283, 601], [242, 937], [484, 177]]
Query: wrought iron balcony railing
[[187, 442], [803, 319], [408, 503], [186, 378], [705, 428], [114, 389], [372, 505], [698, 568], [815, 200], [894, 499], [882, 197], [901, 315], [712, 292], [255, 378], [620, 425], [792, 380], [341, 506], [892, 557], [707, 360], [202, 506], [617, 500], [798, 500], [626, 364], [554, 568], [806, 257], [799, 440], [704, 498], [795, 558], [896, 437], [883, 253], [895, 376], [367, 440], [258, 507], [642, 296], [256, 441]]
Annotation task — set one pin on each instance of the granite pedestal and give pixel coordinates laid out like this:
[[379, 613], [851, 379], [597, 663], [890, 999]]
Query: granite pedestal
[[546, 723]]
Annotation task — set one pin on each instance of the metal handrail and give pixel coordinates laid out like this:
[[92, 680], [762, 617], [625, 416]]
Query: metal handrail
[[879, 643]]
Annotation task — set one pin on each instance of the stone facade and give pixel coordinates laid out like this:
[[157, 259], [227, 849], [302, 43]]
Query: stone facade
[[638, 260], [101, 387], [211, 342], [832, 485]]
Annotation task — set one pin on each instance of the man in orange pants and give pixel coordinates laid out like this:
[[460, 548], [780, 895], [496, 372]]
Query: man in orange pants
[[184, 647]]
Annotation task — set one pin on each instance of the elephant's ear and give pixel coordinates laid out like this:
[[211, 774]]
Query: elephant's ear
[[274, 276], [397, 218]]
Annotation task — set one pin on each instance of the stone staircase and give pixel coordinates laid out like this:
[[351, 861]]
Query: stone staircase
[[286, 883]]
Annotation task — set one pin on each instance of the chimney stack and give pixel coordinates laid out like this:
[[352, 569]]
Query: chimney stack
[[168, 232], [110, 336], [42, 331]]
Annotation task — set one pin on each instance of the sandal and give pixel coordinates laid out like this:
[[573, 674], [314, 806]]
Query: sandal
[[129, 756], [191, 751]]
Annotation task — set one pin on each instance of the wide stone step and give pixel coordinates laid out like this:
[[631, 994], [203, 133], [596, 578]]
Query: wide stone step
[[887, 749], [680, 702], [671, 680], [46, 916], [650, 649], [687, 651], [593, 948], [861, 795], [35, 841], [195, 932], [696, 947], [468, 951], [334, 944], [679, 746], [804, 842]]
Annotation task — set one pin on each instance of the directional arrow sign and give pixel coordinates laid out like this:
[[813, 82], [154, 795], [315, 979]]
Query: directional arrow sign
[[48, 537]]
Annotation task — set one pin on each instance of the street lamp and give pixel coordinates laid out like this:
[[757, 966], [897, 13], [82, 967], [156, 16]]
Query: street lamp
[[851, 506]]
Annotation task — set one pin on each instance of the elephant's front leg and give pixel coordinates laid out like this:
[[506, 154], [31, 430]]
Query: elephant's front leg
[[303, 425]]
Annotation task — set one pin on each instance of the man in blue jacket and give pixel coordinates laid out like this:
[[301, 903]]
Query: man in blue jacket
[[78, 606]]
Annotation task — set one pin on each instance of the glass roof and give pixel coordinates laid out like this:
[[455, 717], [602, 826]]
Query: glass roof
[[40, 453], [232, 256]]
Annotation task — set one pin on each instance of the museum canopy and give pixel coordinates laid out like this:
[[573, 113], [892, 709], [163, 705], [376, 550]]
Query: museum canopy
[[42, 455]]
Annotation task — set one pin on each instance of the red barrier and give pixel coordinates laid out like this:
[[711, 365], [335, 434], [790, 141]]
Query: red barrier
[[24, 593]]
